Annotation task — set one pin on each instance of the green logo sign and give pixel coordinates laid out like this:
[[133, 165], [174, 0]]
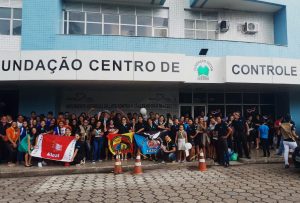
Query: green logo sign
[[203, 68]]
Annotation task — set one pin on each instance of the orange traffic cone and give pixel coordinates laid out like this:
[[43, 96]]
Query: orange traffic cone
[[118, 165], [138, 165], [202, 164]]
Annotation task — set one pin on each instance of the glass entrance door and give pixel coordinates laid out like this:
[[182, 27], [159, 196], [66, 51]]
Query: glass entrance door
[[192, 110], [199, 111], [186, 110]]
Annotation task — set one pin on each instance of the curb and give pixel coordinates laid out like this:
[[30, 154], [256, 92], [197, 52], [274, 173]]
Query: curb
[[47, 171], [270, 160], [51, 171]]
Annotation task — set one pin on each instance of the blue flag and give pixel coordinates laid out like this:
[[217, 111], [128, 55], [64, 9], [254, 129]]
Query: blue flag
[[146, 145]]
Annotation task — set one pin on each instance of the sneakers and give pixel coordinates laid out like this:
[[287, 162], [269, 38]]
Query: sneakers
[[287, 166], [93, 162], [44, 163], [163, 162], [40, 165]]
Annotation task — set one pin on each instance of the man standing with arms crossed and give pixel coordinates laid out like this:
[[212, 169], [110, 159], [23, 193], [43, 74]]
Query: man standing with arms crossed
[[223, 132], [239, 135]]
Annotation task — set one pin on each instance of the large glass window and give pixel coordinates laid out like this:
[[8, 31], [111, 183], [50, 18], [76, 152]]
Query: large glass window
[[105, 19], [267, 98], [227, 103], [216, 98], [199, 98], [201, 26], [250, 110], [186, 97], [267, 110], [233, 98], [10, 21], [250, 98], [216, 109], [230, 109]]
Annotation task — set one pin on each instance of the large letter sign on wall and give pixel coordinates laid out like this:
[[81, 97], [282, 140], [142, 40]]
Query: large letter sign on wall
[[140, 66], [90, 65], [262, 70]]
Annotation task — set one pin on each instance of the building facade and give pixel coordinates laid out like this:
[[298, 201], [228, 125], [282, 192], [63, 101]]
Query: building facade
[[177, 56]]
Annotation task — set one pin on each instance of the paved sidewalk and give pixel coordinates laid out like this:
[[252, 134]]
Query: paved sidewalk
[[269, 183]]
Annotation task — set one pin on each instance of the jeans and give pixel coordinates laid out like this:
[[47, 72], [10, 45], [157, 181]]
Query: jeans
[[265, 146], [12, 152], [168, 156], [87, 149], [281, 147], [223, 151], [287, 146], [241, 144], [98, 144]]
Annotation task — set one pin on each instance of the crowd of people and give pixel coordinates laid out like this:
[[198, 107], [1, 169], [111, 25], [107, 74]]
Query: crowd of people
[[215, 135]]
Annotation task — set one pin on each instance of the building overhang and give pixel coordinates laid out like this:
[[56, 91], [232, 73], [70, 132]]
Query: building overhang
[[131, 2], [240, 5]]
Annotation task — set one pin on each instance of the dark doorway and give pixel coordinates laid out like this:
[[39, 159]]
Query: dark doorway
[[9, 103]]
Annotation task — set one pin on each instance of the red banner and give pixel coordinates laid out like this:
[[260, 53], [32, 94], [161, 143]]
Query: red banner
[[58, 148]]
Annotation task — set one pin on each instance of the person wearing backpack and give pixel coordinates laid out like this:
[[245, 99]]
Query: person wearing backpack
[[287, 129]]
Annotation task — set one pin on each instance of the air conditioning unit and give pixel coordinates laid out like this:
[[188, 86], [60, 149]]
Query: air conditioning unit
[[250, 28], [224, 26]]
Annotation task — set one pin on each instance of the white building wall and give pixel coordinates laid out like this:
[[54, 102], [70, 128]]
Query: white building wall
[[176, 16], [7, 42], [177, 9], [236, 19], [10, 43], [11, 3]]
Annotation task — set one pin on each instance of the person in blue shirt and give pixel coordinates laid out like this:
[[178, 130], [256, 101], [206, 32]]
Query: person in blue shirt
[[263, 135]]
